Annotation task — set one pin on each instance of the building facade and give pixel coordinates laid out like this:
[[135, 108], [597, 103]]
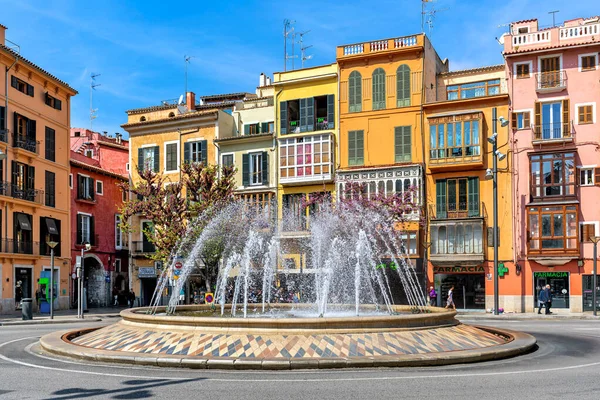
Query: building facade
[[98, 168], [34, 202], [459, 161], [554, 84]]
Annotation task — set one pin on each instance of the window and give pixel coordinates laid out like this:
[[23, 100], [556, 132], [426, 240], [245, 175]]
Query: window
[[586, 177], [307, 115], [142, 119], [255, 169], [21, 86], [523, 29], [49, 144], [99, 187], [251, 129], [457, 238], [379, 89], [471, 90], [148, 158], [455, 136], [71, 181], [306, 158], [171, 157], [355, 148], [552, 175], [126, 166], [25, 136], [457, 198], [550, 75], [409, 243], [294, 212], [85, 229], [118, 264], [552, 120], [588, 230], [85, 187], [147, 233], [120, 236], [50, 189], [23, 181], [22, 233], [402, 143], [399, 180], [588, 62], [53, 102], [521, 120], [523, 70], [227, 160], [585, 114], [355, 92], [403, 86], [89, 153], [49, 231], [3, 124], [553, 229], [195, 152]]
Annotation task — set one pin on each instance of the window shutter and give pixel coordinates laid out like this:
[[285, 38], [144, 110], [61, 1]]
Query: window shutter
[[156, 166], [47, 99], [566, 118], [203, 152], [302, 115], [245, 169], [3, 118], [359, 148], [403, 86], [13, 81], [264, 127], [80, 185], [527, 120], [407, 143], [538, 120], [265, 168], [283, 122], [91, 188], [440, 199], [92, 233], [79, 233], [513, 121], [29, 90], [15, 172], [355, 91], [330, 111], [597, 176], [473, 196], [50, 144], [186, 152], [352, 148], [31, 129], [310, 114], [15, 124], [30, 177], [246, 129], [58, 104]]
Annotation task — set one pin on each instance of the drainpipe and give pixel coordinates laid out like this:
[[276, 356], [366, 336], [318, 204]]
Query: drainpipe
[[7, 144]]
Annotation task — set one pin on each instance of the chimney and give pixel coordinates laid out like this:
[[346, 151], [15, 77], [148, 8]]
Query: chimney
[[3, 35], [190, 100], [268, 81], [261, 80], [118, 137]]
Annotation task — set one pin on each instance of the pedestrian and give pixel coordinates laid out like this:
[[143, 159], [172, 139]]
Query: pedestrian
[[182, 296], [18, 295], [131, 298], [115, 293], [548, 299], [450, 301], [432, 297], [541, 299]]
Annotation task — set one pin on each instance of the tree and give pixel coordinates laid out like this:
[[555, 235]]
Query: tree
[[170, 206]]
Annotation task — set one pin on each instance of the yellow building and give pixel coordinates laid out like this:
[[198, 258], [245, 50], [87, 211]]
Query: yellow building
[[35, 200], [383, 86], [162, 138], [459, 191], [306, 110]]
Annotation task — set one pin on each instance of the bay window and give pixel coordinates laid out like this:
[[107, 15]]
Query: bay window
[[455, 136], [553, 229], [305, 158], [552, 175]]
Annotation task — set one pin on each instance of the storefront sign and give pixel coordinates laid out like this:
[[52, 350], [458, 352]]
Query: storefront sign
[[146, 272], [551, 274], [458, 270]]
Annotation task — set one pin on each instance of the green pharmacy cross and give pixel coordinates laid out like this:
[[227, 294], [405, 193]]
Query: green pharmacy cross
[[502, 269]]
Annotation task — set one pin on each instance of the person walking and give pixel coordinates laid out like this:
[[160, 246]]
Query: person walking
[[18, 295], [432, 297], [450, 301], [548, 299], [541, 299]]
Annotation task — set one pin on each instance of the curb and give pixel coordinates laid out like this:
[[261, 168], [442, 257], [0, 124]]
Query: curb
[[525, 317], [49, 321], [58, 343]]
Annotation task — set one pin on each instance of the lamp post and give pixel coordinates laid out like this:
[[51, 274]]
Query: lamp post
[[52, 245], [595, 240], [80, 272], [493, 174]]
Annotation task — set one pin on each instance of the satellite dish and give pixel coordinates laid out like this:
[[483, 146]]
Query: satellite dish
[[180, 101], [501, 40], [181, 109]]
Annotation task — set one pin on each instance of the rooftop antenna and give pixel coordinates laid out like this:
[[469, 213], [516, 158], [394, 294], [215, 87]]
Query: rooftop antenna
[[303, 56], [428, 15], [93, 86], [186, 60], [287, 30], [553, 17]]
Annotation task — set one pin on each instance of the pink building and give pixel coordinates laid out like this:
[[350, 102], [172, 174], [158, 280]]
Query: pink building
[[98, 166], [554, 87]]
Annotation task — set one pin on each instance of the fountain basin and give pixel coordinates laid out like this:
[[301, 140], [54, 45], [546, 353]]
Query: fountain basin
[[432, 338]]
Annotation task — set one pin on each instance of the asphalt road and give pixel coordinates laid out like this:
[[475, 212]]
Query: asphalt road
[[565, 366]]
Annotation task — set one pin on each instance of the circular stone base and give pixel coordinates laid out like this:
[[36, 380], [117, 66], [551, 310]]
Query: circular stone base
[[433, 338]]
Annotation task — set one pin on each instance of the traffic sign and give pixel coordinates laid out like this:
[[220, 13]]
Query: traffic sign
[[209, 298], [178, 265], [177, 272]]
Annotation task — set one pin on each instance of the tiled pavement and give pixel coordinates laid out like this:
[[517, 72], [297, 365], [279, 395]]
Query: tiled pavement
[[119, 337]]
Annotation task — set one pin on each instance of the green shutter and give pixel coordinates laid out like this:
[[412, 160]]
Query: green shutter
[[264, 127], [310, 114], [352, 148], [245, 169], [330, 111], [360, 160], [246, 129], [204, 151], [403, 140], [156, 166], [440, 199], [355, 91], [186, 152], [473, 189], [283, 121], [403, 86], [265, 168], [379, 89]]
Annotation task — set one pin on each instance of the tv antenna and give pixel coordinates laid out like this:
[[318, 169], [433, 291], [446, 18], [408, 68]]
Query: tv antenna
[[93, 86], [186, 60], [428, 15], [303, 56], [288, 30], [553, 17]]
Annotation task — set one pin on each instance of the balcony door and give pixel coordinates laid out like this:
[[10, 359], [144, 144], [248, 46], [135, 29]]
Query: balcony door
[[550, 72]]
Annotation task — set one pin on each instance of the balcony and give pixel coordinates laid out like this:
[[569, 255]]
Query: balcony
[[27, 144], [14, 246], [16, 192], [455, 156], [531, 38], [3, 135], [464, 210], [553, 133], [550, 82], [457, 242], [577, 32], [143, 247], [379, 46]]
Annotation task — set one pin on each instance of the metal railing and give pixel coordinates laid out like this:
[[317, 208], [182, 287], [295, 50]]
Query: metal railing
[[553, 131], [143, 246], [15, 246], [551, 80], [26, 144], [464, 210], [16, 192], [3, 135]]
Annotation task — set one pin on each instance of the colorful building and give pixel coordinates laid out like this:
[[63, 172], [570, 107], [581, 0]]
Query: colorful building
[[383, 86], [554, 84], [459, 163], [35, 112], [98, 167]]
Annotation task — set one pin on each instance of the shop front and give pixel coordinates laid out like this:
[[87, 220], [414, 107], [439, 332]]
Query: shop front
[[588, 293], [468, 282], [559, 282], [147, 276]]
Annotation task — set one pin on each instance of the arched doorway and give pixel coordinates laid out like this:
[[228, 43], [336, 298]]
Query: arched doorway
[[94, 282]]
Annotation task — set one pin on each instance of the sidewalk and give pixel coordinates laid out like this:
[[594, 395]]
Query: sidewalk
[[469, 315], [61, 316]]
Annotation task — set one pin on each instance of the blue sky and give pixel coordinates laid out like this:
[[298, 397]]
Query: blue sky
[[138, 46]]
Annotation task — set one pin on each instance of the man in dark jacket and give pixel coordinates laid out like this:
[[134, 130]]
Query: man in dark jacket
[[548, 296], [542, 299]]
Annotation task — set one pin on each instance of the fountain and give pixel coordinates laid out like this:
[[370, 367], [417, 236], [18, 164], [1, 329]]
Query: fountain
[[343, 310]]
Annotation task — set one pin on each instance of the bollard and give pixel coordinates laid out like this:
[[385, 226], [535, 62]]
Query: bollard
[[26, 309]]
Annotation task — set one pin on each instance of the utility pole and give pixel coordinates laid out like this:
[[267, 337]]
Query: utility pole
[[93, 86]]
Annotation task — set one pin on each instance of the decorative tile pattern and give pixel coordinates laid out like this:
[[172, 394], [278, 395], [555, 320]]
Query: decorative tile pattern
[[119, 337]]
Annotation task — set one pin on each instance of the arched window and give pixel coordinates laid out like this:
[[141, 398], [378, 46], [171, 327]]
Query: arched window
[[403, 86], [379, 89], [142, 118], [355, 92], [171, 114]]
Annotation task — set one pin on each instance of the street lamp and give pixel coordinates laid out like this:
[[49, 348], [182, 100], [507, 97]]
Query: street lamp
[[52, 245], [80, 272], [595, 240], [493, 174]]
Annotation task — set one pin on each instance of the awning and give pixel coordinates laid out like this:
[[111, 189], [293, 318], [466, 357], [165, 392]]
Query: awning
[[51, 225], [24, 222]]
